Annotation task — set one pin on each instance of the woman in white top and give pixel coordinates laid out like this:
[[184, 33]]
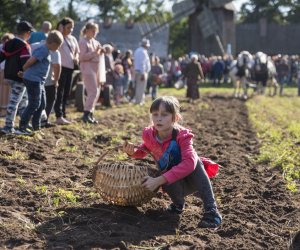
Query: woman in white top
[[69, 52]]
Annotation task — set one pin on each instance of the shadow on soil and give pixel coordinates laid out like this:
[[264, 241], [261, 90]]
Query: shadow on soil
[[85, 228]]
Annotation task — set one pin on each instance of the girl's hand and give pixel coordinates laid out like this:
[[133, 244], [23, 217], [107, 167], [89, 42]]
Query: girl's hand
[[128, 148], [154, 183]]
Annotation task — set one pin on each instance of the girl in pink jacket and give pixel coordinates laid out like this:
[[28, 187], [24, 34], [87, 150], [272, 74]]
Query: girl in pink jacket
[[182, 171]]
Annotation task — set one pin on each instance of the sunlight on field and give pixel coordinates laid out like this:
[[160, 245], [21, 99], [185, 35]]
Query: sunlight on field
[[277, 122]]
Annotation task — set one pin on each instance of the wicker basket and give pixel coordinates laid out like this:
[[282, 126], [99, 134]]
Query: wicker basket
[[121, 183]]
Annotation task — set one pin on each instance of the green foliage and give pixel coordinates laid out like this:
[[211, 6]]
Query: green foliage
[[277, 123], [64, 196], [293, 15], [34, 11], [178, 44], [14, 155], [125, 9], [107, 8], [277, 11]]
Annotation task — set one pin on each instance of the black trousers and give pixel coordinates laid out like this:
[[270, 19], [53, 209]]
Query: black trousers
[[51, 92], [63, 92]]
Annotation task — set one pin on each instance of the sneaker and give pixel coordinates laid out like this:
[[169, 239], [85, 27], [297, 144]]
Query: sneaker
[[62, 121], [7, 130], [23, 131], [211, 219], [175, 209], [93, 119]]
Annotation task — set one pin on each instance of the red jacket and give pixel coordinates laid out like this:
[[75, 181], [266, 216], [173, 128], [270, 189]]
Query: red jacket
[[188, 155]]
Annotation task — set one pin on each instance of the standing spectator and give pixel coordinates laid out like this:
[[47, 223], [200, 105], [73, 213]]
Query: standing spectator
[[4, 84], [155, 76], [282, 69], [218, 71], [36, 37], [36, 70], [69, 52], [127, 66], [227, 63], [51, 85], [109, 67], [15, 53], [90, 50], [4, 39], [142, 67], [118, 83], [193, 72], [168, 69]]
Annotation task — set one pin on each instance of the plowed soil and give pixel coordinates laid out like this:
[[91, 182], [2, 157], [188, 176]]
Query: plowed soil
[[47, 199]]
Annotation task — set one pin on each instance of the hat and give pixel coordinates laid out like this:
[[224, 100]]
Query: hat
[[145, 42], [24, 26], [107, 45]]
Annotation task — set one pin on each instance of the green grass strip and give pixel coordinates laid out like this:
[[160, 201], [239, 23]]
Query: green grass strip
[[277, 123]]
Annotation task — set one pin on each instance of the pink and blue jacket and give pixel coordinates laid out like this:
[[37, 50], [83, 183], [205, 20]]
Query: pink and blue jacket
[[184, 139]]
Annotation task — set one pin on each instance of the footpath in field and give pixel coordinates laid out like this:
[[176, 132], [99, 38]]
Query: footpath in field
[[258, 212]]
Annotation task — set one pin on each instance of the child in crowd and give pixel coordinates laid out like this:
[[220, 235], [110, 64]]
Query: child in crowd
[[89, 57], [51, 86], [15, 53], [182, 171], [118, 83], [155, 76], [35, 72]]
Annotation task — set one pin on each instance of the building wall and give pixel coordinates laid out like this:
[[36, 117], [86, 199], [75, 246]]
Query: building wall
[[269, 38], [125, 38]]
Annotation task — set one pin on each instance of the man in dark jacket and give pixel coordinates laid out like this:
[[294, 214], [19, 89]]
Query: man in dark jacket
[[15, 53]]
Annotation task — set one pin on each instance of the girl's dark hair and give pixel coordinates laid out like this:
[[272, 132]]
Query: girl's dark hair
[[170, 102], [64, 22]]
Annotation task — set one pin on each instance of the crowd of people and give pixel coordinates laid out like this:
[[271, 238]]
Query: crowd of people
[[39, 67]]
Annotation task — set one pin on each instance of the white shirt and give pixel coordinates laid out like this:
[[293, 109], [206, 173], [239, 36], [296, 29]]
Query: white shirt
[[55, 59], [141, 60]]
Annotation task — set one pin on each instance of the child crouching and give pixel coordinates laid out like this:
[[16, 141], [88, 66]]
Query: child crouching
[[182, 170]]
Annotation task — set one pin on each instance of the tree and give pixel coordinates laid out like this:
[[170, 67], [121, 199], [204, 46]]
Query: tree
[[178, 42], [68, 9], [272, 10], [107, 8], [34, 11], [293, 14], [124, 9]]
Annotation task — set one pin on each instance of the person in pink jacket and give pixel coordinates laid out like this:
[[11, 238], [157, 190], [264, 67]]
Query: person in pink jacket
[[90, 50], [182, 171]]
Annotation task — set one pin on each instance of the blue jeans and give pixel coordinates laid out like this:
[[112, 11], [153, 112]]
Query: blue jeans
[[36, 104]]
